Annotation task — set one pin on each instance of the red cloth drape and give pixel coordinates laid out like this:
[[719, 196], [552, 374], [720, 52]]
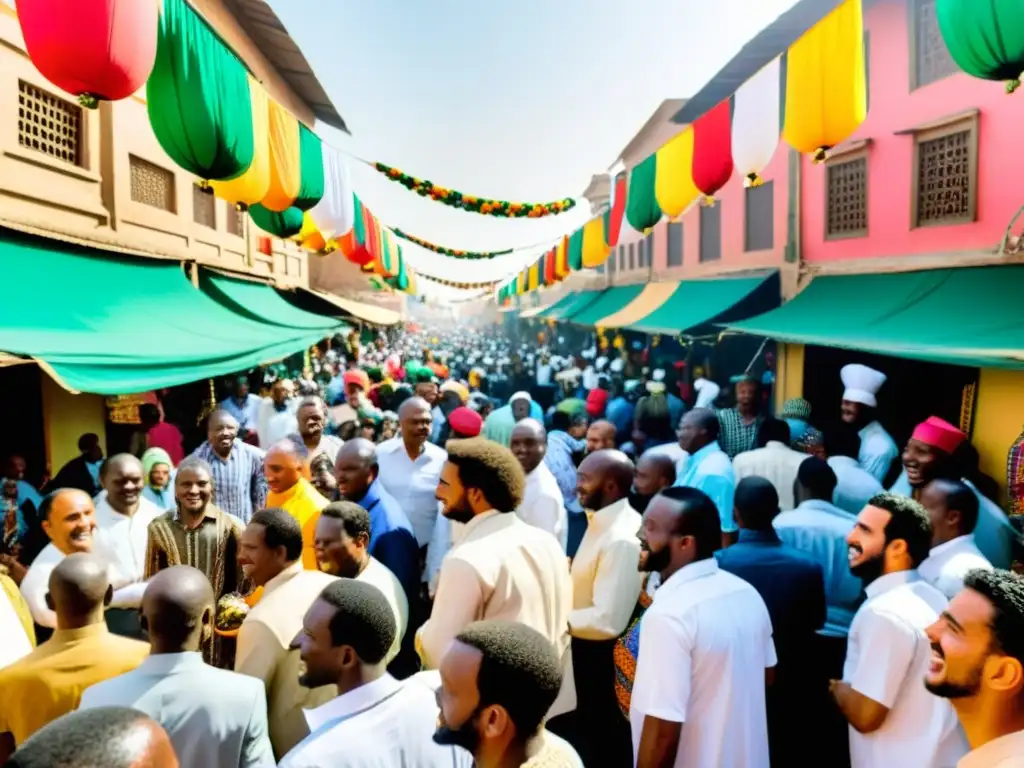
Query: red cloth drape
[[613, 220], [712, 149]]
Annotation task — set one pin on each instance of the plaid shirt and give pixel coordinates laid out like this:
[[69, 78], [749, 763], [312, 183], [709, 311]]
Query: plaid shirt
[[239, 487], [734, 436]]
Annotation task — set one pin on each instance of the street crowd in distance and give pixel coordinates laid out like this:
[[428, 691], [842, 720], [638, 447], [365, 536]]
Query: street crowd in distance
[[442, 547]]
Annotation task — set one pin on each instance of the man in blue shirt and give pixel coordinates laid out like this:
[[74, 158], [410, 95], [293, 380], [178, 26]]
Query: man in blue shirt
[[707, 468], [620, 411]]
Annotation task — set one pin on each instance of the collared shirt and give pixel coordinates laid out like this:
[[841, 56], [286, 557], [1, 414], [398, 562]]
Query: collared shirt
[[948, 563], [777, 463], [274, 424], [246, 413], [36, 584], [605, 578], [886, 659], [705, 644], [391, 538], [559, 459], [437, 422], [1005, 752], [379, 576], [303, 502], [877, 450], [736, 435], [124, 540], [239, 484], [542, 504], [819, 530], [162, 498], [329, 445], [709, 470], [855, 487], [213, 717], [412, 483], [384, 722], [48, 682]]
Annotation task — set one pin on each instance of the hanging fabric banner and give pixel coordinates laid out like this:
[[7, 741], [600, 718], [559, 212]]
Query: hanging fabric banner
[[283, 224], [285, 159], [311, 170], [614, 215], [712, 150], [252, 186], [593, 249], [642, 211], [562, 258], [673, 182], [575, 250], [335, 212], [984, 39], [755, 123]]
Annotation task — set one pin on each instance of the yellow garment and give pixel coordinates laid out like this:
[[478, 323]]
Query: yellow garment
[[252, 186], [309, 236], [285, 161], [673, 178], [10, 589], [595, 247], [533, 277], [562, 258], [49, 681], [826, 92], [304, 503]]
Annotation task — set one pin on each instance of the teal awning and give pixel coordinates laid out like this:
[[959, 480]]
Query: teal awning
[[569, 305], [606, 303], [971, 316], [112, 324], [714, 300], [263, 304]]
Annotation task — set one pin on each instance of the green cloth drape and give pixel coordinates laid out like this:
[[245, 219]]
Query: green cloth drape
[[575, 250], [642, 209], [286, 224], [984, 37], [311, 160]]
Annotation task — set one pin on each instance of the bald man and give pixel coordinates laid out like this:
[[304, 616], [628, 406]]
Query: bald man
[[290, 491], [49, 681], [114, 737], [542, 505], [600, 436], [654, 473], [214, 717]]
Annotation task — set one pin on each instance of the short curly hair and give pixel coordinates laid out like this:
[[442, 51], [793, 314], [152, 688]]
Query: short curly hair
[[363, 618], [1005, 590], [909, 521], [490, 468]]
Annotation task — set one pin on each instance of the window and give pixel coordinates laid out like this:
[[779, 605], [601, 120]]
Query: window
[[711, 232], [204, 207], [946, 174], [49, 124], [151, 184], [675, 244], [648, 243], [846, 198], [613, 258], [632, 253], [641, 250], [235, 221], [760, 223], [622, 258], [929, 58]]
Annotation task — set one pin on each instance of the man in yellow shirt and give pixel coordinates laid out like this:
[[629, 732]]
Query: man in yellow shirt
[[290, 491], [48, 682]]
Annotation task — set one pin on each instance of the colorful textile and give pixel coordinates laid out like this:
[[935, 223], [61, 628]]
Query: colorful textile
[[755, 122], [673, 182], [735, 436], [627, 649], [642, 210], [712, 149], [253, 185]]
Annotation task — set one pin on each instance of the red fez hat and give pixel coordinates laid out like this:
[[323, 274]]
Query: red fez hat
[[597, 399], [466, 422], [939, 434]]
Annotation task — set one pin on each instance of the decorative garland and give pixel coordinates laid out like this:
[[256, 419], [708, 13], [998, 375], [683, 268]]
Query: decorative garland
[[481, 205], [449, 251], [490, 285]]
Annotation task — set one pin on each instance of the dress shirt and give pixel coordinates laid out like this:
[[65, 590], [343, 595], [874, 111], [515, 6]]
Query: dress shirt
[[948, 563], [413, 484], [36, 585], [214, 718], [122, 541], [1005, 752], [819, 530], [391, 538], [504, 569], [542, 504], [886, 659], [246, 413], [239, 485], [855, 487], [17, 636], [777, 463], [437, 424], [303, 502], [48, 682], [705, 644], [735, 434], [274, 424], [877, 451], [710, 470], [376, 574], [605, 579], [559, 459], [382, 723]]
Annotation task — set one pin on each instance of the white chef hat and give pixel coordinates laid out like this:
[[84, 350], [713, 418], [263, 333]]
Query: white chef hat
[[862, 384], [707, 391]]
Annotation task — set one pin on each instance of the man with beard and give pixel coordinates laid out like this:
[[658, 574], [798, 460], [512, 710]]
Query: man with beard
[[705, 647], [740, 424], [501, 568], [953, 510], [236, 467], [542, 504], [894, 720], [600, 436], [498, 680], [978, 663], [312, 418], [374, 720], [877, 448], [931, 455], [654, 473]]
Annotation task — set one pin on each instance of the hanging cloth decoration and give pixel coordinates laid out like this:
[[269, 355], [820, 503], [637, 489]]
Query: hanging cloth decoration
[[533, 277], [550, 277], [642, 211], [251, 187], [755, 123], [335, 212], [455, 254], [594, 249], [387, 265], [283, 224], [575, 250], [401, 281], [198, 98], [472, 203], [354, 245], [562, 258], [712, 150], [985, 39], [826, 92], [673, 183], [285, 159], [613, 216], [311, 170], [97, 50], [309, 236]]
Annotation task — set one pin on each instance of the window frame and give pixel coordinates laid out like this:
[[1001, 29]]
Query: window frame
[[747, 192], [939, 130], [913, 75], [852, 155], [701, 257], [670, 262]]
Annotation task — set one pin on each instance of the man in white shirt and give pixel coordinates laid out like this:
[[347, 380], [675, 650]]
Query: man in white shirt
[[953, 510], [706, 649], [276, 419], [410, 467], [122, 522], [542, 505], [877, 448], [894, 721], [773, 460], [978, 663], [215, 718], [855, 486], [375, 720]]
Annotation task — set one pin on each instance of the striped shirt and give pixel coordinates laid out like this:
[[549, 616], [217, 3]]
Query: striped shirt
[[239, 487], [734, 435]]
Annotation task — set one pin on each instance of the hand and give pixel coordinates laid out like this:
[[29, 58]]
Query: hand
[[15, 569]]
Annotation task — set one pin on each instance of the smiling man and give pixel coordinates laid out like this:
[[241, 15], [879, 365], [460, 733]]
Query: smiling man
[[542, 505], [290, 491], [237, 468]]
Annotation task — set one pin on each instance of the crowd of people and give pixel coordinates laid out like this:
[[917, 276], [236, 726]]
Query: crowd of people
[[454, 550]]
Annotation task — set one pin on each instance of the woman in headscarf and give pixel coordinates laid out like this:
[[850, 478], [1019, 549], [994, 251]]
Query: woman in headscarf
[[158, 472]]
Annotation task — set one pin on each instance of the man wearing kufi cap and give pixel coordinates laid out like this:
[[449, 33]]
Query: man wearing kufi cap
[[877, 448], [499, 425], [931, 454]]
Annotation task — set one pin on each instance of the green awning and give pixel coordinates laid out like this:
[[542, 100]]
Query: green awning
[[714, 300], [261, 303], [112, 324], [972, 316], [569, 305], [606, 303]]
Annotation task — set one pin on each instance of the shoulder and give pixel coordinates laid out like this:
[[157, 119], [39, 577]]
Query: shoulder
[[125, 649], [388, 446]]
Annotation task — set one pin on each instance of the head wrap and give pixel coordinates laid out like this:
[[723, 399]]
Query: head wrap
[[796, 408], [597, 399], [356, 376], [152, 458], [520, 396], [939, 434], [466, 422]]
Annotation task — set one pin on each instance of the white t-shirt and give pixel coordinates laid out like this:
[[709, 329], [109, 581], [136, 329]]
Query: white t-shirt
[[886, 660], [542, 505], [948, 563], [705, 644]]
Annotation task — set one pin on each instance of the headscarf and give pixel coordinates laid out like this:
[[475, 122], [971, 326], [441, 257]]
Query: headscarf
[[152, 458]]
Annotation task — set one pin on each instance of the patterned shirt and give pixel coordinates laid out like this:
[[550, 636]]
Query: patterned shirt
[[561, 447], [239, 487], [627, 648], [735, 436]]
